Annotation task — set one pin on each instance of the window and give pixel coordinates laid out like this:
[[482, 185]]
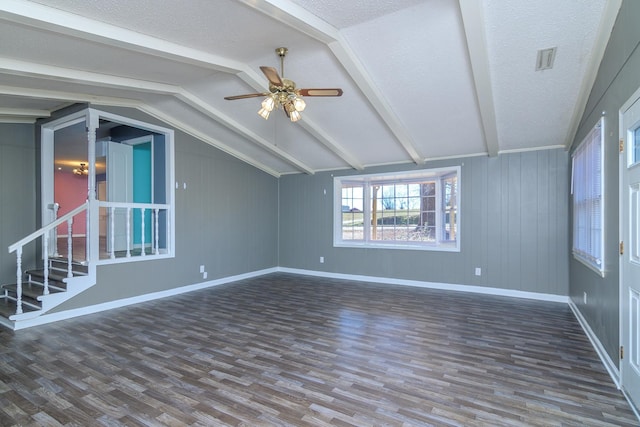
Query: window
[[406, 210], [588, 204]]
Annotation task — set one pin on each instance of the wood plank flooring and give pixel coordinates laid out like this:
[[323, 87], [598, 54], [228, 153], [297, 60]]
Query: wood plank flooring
[[287, 350]]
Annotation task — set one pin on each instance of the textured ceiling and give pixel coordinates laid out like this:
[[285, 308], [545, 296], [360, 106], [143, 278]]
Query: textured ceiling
[[422, 79]]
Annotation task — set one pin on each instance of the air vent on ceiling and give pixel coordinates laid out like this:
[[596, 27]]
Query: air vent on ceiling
[[545, 58]]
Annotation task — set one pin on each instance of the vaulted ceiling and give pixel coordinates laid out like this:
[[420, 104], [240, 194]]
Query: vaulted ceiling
[[422, 79]]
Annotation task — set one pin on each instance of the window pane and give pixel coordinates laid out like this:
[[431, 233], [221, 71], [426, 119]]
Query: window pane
[[402, 209], [587, 199], [352, 213], [635, 146]]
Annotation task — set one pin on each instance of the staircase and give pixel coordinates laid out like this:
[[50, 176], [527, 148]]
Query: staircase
[[37, 291], [42, 290]]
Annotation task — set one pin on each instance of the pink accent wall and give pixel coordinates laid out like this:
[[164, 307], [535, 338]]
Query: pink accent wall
[[70, 191]]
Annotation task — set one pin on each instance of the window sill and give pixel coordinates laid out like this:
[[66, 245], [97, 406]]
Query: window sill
[[589, 265], [442, 247]]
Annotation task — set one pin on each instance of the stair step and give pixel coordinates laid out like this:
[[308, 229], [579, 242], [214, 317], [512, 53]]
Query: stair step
[[30, 290], [54, 276], [8, 307], [61, 263]]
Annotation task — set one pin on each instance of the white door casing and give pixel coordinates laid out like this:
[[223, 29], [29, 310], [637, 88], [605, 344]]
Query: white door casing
[[630, 259]]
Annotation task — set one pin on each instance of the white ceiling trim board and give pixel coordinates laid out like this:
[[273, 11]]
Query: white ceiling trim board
[[295, 16], [24, 112], [607, 22], [70, 97], [154, 112], [85, 77], [51, 72], [316, 132], [357, 72], [61, 22], [473, 23]]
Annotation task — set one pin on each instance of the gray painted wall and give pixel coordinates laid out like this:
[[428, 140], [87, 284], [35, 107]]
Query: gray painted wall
[[225, 218], [618, 78], [17, 194], [514, 227]]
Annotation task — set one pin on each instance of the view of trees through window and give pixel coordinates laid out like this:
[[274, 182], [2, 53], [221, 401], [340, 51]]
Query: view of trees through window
[[415, 210]]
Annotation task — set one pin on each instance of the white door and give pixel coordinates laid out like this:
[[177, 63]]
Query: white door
[[630, 260], [119, 189]]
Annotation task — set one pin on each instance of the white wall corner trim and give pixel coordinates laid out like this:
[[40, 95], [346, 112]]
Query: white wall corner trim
[[432, 285], [69, 314]]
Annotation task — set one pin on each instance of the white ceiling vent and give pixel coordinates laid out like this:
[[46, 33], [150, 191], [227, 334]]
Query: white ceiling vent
[[545, 58]]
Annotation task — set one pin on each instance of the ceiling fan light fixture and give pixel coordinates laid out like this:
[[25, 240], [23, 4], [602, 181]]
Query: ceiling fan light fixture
[[299, 104], [284, 93], [264, 113], [268, 103], [295, 116]]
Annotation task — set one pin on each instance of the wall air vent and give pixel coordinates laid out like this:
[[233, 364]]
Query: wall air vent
[[545, 59]]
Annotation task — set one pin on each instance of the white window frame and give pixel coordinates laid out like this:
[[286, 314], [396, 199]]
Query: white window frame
[[588, 199], [389, 178]]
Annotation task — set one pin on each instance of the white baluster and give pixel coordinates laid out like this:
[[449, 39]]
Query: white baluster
[[128, 232], [56, 207], [45, 238], [144, 252], [19, 280], [112, 231], [69, 246], [155, 247], [87, 239]]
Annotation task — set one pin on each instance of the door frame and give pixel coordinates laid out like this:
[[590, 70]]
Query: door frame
[[622, 166], [47, 169]]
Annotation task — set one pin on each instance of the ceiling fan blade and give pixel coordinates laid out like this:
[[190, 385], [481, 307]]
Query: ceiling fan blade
[[321, 92], [272, 75], [249, 95]]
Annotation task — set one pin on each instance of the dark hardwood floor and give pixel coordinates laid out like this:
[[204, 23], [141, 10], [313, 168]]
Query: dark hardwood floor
[[302, 351]]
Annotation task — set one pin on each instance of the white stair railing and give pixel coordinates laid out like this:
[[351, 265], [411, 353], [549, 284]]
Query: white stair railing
[[43, 233]]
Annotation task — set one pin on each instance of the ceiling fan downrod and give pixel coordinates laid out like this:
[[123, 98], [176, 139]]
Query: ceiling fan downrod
[[282, 52]]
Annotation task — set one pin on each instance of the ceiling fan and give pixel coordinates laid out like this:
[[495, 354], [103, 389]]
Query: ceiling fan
[[283, 93]]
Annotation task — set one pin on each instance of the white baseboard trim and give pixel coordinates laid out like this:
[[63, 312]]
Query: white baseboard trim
[[68, 314], [432, 285], [611, 367]]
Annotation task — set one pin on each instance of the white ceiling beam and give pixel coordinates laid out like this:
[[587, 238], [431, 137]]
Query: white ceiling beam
[[302, 20], [319, 134], [128, 103], [24, 112], [70, 97], [474, 23], [66, 23], [607, 22], [210, 111], [154, 112], [50, 72], [61, 22]]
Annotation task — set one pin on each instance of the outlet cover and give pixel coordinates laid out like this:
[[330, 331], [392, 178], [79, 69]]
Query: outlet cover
[[478, 271], [321, 260], [202, 269]]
